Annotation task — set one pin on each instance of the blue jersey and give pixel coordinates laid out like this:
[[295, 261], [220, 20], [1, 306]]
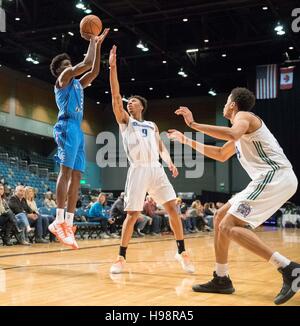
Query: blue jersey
[[69, 101]]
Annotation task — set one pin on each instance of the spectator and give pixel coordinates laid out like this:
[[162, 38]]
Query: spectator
[[117, 210], [150, 209], [9, 223], [99, 213], [20, 208], [207, 210], [186, 221], [46, 219], [49, 202]]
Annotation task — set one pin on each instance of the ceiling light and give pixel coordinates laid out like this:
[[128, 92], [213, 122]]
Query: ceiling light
[[198, 84], [182, 73], [164, 61], [206, 41], [239, 69], [132, 79], [98, 103], [17, 18], [88, 10], [54, 38], [224, 55], [116, 29], [80, 5], [124, 99], [145, 49], [140, 45], [212, 92], [71, 33], [265, 8], [150, 88], [167, 96], [291, 48], [192, 50], [28, 76], [281, 32], [185, 20]]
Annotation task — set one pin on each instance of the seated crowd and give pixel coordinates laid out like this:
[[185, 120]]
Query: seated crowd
[[23, 221]]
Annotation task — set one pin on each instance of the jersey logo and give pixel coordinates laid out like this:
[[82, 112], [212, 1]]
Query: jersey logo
[[244, 209], [238, 153], [144, 132]]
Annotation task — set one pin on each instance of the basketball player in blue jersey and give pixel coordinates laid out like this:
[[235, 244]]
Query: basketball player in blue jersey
[[273, 183], [68, 134]]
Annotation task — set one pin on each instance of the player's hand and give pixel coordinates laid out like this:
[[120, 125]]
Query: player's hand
[[186, 113], [113, 57], [87, 36], [101, 38], [176, 135], [174, 170]]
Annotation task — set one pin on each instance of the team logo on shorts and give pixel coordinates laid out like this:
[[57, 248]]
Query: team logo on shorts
[[244, 209]]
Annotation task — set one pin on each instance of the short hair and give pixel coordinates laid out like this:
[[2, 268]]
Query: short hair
[[143, 101], [244, 98], [56, 62]]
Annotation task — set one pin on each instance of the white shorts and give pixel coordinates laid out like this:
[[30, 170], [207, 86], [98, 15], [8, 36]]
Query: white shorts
[[147, 179], [264, 196]]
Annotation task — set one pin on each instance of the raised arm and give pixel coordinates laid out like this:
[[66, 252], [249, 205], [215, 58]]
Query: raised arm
[[79, 69], [220, 154], [164, 154], [240, 126], [86, 79], [121, 115]]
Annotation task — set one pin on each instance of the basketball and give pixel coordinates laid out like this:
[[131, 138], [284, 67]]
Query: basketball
[[91, 24]]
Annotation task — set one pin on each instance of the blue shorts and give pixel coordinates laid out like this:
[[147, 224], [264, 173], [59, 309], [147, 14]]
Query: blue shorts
[[70, 145]]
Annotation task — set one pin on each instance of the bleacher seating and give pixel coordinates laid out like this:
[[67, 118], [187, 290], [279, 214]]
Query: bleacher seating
[[14, 176]]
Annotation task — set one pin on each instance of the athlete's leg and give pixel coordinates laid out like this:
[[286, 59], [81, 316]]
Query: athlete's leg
[[234, 229], [176, 226], [127, 230], [62, 186], [73, 191]]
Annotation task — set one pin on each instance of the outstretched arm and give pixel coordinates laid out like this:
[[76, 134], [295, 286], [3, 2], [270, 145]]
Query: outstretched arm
[[240, 126], [79, 69], [220, 154], [164, 154], [121, 115], [94, 72]]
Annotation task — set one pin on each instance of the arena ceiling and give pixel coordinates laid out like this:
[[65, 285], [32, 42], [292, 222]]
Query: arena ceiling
[[231, 36]]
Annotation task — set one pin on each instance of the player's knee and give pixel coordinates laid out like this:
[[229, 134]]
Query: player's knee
[[132, 217], [225, 228], [218, 218], [65, 173]]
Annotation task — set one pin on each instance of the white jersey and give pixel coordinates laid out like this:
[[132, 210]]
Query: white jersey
[[259, 152], [140, 142]]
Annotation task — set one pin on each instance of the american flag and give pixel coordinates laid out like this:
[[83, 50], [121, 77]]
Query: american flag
[[266, 82]]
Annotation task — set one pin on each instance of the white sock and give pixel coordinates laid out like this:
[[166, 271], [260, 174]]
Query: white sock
[[69, 218], [278, 260], [60, 215], [222, 269]]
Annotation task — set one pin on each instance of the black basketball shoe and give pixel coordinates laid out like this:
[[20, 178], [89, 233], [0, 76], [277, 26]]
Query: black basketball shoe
[[291, 282], [218, 284]]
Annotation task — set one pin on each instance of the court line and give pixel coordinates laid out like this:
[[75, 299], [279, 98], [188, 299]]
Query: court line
[[90, 247]]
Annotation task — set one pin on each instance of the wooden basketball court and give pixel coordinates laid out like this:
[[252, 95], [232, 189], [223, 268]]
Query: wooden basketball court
[[53, 275]]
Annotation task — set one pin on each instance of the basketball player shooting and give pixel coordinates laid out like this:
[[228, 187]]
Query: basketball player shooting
[[273, 183], [68, 134], [143, 146]]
